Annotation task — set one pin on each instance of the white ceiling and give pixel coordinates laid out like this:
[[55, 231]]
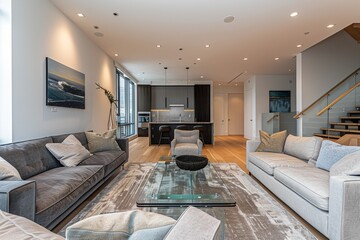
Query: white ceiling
[[261, 31]]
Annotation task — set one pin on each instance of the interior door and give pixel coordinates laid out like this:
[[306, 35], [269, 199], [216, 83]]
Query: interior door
[[220, 114], [236, 114]]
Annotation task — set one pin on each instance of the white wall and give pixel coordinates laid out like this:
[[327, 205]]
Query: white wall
[[40, 30], [5, 72], [260, 86], [319, 69]]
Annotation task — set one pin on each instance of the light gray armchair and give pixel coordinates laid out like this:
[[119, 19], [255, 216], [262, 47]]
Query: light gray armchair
[[186, 143]]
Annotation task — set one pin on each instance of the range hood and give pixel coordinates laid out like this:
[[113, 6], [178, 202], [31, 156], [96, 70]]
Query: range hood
[[176, 105]]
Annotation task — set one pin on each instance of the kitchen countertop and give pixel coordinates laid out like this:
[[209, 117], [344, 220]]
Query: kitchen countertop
[[181, 123]]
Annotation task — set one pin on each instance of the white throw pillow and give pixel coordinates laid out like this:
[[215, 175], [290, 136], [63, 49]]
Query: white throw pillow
[[305, 148], [70, 152], [132, 225], [8, 172], [348, 165], [102, 142]]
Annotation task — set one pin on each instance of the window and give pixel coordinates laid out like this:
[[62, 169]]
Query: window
[[125, 92]]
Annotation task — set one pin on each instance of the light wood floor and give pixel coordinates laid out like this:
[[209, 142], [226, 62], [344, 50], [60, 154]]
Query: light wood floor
[[226, 149]]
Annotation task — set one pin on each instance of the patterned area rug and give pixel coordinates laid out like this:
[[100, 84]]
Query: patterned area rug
[[256, 216]]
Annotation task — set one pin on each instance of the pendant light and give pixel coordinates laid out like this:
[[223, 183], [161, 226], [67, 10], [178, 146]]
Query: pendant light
[[187, 87], [165, 68]]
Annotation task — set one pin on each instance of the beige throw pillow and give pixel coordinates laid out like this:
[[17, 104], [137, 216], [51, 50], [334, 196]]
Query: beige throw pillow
[[8, 172], [102, 142], [272, 143], [70, 152]]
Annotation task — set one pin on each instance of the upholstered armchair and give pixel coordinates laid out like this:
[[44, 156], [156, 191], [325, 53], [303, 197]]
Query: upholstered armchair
[[186, 143]]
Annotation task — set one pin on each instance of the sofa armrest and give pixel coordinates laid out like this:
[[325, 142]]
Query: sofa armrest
[[172, 144], [200, 146], [251, 146], [18, 197], [124, 145], [344, 207]]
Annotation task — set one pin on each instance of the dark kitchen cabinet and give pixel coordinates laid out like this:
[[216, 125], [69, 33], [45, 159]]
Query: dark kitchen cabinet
[[144, 98], [173, 95]]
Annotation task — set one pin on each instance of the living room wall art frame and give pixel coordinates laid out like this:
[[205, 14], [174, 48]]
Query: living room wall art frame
[[65, 87], [279, 101]]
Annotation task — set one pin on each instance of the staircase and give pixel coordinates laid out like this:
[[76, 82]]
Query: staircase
[[348, 125]]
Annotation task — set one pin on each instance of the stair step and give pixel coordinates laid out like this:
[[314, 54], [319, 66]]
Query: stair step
[[326, 135], [354, 112], [344, 124], [350, 118], [341, 130]]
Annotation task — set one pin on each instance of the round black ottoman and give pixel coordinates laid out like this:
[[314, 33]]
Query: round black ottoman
[[191, 162]]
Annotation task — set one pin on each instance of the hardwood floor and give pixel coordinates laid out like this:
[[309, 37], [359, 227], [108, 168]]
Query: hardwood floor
[[226, 149]]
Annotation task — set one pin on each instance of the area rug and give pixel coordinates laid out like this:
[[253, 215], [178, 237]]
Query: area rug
[[256, 216]]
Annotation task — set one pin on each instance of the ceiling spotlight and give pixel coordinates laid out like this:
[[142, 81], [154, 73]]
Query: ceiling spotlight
[[276, 58], [330, 26], [198, 59], [116, 54], [207, 45], [80, 15], [229, 19], [115, 14], [158, 46], [299, 45], [245, 59], [294, 14], [201, 76]]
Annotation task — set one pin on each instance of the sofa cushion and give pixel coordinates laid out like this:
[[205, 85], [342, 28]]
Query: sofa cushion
[[80, 136], [186, 149], [20, 228], [346, 165], [29, 157], [110, 159], [272, 143], [70, 152], [305, 148], [132, 225], [310, 183], [59, 188], [7, 171], [332, 152], [268, 161], [102, 142], [185, 136]]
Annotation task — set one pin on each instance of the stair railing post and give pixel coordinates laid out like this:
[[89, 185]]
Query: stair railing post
[[328, 117]]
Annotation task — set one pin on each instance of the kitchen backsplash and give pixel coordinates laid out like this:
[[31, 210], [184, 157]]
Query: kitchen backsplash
[[174, 114]]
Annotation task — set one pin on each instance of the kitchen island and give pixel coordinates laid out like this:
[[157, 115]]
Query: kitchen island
[[154, 134]]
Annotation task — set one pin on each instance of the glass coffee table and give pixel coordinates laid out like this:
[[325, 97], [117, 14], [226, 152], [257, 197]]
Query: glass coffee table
[[169, 186]]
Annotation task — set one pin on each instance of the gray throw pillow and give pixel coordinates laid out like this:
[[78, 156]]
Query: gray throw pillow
[[332, 152], [348, 165], [272, 143], [8, 171], [70, 152], [132, 225], [102, 142]]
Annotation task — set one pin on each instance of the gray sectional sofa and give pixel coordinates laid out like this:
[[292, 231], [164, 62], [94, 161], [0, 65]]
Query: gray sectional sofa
[[330, 203], [49, 191]]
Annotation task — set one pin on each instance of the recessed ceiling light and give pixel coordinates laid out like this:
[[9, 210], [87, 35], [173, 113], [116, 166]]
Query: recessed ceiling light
[[116, 54], [158, 46], [299, 45], [201, 76], [207, 45], [229, 19], [245, 59], [96, 27], [289, 70], [330, 26], [294, 14], [219, 84], [236, 84], [81, 15], [115, 14], [198, 59], [276, 58]]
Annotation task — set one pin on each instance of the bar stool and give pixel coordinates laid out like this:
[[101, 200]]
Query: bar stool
[[201, 129], [164, 133], [181, 127]]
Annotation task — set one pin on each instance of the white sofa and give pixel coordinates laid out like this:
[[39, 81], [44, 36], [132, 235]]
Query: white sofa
[[329, 204]]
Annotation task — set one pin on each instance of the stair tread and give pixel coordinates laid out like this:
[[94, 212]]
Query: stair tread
[[326, 135], [353, 112], [344, 124], [340, 130], [349, 117]]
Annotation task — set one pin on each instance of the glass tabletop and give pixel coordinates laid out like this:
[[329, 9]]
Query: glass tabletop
[[170, 186]]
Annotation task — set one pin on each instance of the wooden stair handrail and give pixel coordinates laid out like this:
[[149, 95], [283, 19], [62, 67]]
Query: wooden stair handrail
[[338, 99], [327, 93]]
